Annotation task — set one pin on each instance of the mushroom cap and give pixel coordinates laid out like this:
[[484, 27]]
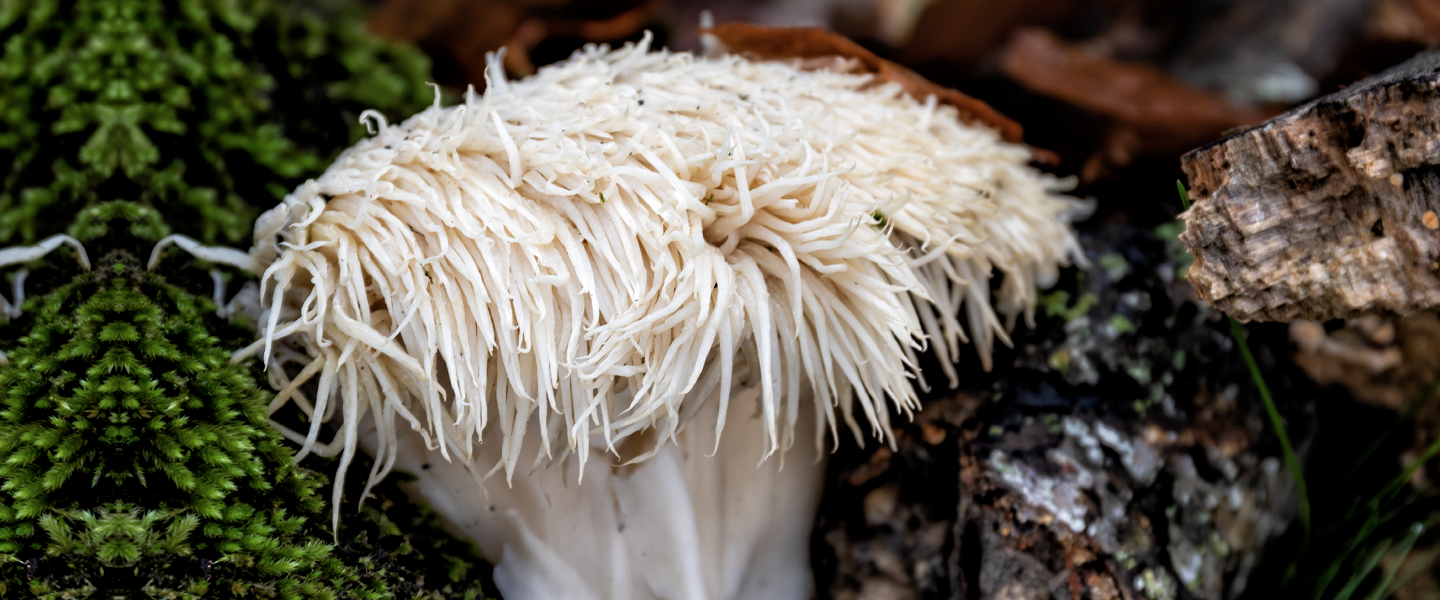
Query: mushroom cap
[[627, 235]]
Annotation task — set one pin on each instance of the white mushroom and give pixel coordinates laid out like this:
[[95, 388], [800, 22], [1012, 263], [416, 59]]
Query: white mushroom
[[623, 244], [15, 255], [682, 525]]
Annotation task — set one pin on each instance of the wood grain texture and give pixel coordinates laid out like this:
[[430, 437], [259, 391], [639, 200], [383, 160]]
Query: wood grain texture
[[1327, 211]]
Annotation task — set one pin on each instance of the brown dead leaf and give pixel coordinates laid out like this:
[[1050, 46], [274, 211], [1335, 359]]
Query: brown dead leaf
[[939, 35], [465, 29], [1406, 20], [468, 29], [1163, 112]]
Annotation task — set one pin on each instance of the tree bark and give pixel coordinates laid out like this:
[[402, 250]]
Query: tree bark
[[1328, 211]]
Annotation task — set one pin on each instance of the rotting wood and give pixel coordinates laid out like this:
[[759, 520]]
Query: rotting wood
[[1121, 454], [1328, 211]]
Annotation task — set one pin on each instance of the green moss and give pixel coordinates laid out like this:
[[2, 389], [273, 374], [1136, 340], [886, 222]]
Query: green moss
[[129, 443], [206, 110], [400, 547], [1114, 265], [1057, 304], [1174, 248], [134, 457], [1121, 325], [135, 460]]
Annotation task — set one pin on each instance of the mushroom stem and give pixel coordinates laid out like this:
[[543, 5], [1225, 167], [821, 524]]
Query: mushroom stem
[[682, 525]]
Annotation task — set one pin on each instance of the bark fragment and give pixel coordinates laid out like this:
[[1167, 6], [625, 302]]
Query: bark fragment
[[1328, 211]]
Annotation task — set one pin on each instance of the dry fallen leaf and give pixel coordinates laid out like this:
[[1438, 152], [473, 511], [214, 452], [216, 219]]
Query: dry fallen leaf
[[1152, 111], [468, 29], [1406, 21]]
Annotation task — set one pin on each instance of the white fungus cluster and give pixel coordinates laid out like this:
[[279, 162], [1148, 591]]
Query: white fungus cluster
[[626, 235]]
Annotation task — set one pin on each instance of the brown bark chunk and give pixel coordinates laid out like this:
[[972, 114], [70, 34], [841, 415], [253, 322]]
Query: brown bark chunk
[[1320, 213], [1107, 462]]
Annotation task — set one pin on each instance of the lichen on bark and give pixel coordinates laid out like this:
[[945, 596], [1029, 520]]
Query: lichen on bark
[[1118, 451]]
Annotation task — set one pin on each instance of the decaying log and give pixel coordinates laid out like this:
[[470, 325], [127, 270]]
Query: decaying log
[[1327, 211], [1120, 454]]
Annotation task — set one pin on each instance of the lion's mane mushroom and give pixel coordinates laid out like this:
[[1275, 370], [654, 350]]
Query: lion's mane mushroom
[[589, 258]]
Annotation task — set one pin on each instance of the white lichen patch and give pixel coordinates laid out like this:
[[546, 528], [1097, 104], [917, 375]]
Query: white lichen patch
[[1060, 498], [1139, 458], [609, 244], [1077, 465], [1086, 482]]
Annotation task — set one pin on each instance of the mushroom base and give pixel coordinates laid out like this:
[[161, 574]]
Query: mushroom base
[[681, 525]]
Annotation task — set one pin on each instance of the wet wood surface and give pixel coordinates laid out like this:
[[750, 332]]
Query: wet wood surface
[[1328, 211]]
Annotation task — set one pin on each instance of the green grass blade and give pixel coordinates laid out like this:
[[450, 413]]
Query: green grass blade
[[1400, 480], [1414, 406], [1422, 564], [1359, 575], [1277, 424], [1376, 514], [1288, 451], [1399, 508], [1403, 550], [1372, 520]]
